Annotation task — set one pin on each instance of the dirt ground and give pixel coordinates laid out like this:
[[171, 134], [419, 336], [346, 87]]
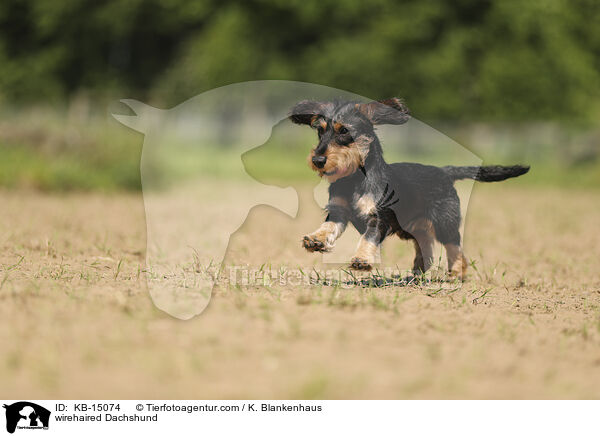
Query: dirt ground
[[77, 321]]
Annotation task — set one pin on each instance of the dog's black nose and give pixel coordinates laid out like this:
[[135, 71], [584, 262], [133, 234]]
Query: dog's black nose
[[319, 161]]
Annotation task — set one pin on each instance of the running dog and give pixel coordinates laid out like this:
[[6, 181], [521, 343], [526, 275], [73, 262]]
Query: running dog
[[416, 202]]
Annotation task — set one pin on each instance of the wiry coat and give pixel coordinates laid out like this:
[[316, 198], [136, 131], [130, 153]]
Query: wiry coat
[[414, 201]]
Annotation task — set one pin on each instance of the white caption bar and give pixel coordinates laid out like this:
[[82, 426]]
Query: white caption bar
[[250, 417]]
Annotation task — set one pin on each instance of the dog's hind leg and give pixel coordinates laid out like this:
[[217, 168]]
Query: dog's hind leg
[[418, 262], [457, 262], [423, 242], [447, 223], [423, 235]]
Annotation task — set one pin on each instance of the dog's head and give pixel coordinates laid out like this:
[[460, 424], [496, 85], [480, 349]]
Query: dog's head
[[346, 132]]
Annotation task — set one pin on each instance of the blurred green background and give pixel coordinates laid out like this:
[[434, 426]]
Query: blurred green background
[[507, 79]]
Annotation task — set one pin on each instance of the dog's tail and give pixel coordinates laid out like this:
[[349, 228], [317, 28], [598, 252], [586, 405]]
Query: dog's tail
[[492, 173]]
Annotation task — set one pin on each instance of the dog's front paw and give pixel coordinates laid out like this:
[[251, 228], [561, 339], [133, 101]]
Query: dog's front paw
[[360, 264], [312, 243]]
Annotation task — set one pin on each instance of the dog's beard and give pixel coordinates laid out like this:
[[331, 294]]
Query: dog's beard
[[337, 174], [341, 162]]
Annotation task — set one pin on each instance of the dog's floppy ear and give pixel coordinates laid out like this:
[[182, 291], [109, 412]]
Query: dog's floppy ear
[[389, 111], [303, 111]]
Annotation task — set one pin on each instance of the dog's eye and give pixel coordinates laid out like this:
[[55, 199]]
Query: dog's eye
[[344, 139], [343, 131]]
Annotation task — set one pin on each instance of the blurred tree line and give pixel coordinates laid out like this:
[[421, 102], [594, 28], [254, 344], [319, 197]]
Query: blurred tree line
[[453, 60]]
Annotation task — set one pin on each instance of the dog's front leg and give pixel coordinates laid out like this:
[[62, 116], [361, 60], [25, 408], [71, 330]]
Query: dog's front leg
[[368, 245], [323, 239]]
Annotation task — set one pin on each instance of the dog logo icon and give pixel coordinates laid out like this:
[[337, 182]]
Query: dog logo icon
[[26, 415]]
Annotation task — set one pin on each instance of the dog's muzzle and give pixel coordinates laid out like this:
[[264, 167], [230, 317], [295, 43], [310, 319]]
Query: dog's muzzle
[[319, 161]]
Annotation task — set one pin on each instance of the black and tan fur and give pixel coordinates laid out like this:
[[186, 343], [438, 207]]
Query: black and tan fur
[[413, 201]]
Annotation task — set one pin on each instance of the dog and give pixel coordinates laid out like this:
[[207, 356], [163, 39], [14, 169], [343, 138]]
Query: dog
[[416, 202]]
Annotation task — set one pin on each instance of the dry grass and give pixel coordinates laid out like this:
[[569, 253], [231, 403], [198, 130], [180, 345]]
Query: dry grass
[[77, 320]]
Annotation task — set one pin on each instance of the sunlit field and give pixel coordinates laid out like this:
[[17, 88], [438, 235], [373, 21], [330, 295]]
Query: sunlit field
[[78, 320]]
